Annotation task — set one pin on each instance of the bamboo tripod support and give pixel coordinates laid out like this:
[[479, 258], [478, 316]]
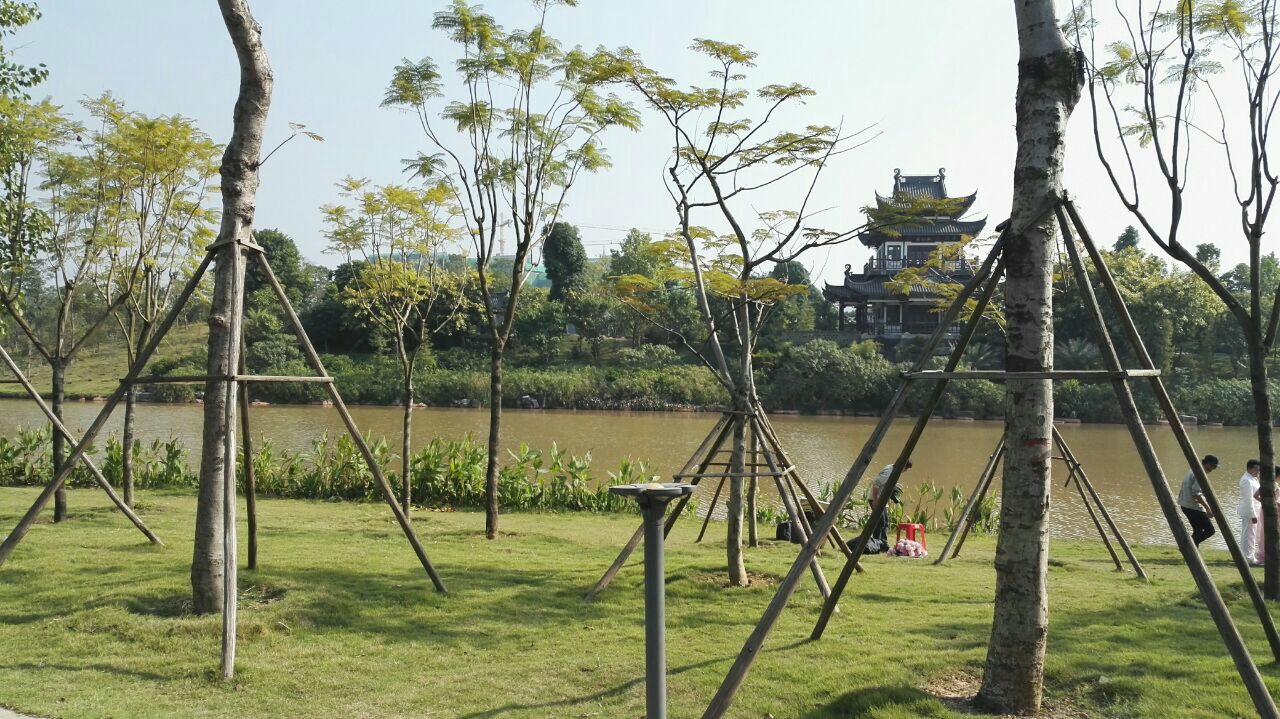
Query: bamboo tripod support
[[989, 273], [59, 427], [230, 253], [1076, 477], [704, 463]]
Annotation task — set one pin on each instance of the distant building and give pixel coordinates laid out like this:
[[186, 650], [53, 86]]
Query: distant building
[[880, 312]]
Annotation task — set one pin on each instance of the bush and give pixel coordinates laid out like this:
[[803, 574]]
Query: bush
[[822, 375]]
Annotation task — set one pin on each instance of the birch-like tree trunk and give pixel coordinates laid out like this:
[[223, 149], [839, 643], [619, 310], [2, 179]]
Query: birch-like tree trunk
[[491, 498], [1049, 82], [406, 437], [239, 188], [58, 405]]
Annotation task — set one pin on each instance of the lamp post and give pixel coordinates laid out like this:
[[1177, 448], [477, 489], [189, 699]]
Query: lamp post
[[653, 499]]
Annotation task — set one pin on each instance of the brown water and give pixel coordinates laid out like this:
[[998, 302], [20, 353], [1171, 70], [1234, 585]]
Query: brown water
[[950, 453]]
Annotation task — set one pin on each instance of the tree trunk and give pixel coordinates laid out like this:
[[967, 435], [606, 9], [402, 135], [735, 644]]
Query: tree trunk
[[239, 176], [1267, 480], [1049, 83], [733, 520], [126, 444], [495, 427], [406, 444], [58, 404]]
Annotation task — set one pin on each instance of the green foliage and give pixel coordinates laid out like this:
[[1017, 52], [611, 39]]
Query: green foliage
[[446, 474], [16, 79], [1128, 239], [26, 460], [822, 375], [565, 260]]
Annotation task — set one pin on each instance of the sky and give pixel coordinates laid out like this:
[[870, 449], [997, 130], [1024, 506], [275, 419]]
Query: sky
[[936, 79]]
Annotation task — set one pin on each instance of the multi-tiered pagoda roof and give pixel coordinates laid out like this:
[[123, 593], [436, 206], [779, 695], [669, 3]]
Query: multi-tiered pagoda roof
[[944, 224]]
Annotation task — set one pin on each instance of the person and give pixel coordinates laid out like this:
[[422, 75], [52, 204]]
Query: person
[[1194, 506], [1262, 547], [1249, 510], [880, 536]]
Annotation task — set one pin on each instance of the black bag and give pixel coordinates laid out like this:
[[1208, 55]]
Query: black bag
[[783, 532]]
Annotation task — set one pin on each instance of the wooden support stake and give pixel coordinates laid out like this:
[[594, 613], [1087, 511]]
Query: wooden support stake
[[1179, 432], [79, 450], [715, 498], [899, 465], [233, 262], [1245, 665], [798, 523], [313, 359], [61, 428], [973, 518], [753, 492], [1073, 478], [713, 439], [742, 664], [772, 436], [975, 497], [250, 478], [1083, 478]]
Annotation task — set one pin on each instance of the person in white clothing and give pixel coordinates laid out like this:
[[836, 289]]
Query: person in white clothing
[[1249, 511]]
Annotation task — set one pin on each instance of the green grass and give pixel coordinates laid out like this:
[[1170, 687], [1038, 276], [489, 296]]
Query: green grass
[[340, 621], [98, 368]]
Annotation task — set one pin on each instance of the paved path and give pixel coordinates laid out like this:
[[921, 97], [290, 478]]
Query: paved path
[[7, 714]]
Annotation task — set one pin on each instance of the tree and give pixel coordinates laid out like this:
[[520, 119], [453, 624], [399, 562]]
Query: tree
[[1142, 93], [515, 163], [398, 234], [164, 165], [15, 78], [1210, 256], [1128, 239], [565, 260], [720, 157], [1049, 82], [293, 272], [212, 572], [67, 226]]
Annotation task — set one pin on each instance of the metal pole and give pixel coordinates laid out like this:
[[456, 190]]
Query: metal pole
[[653, 499], [655, 609]]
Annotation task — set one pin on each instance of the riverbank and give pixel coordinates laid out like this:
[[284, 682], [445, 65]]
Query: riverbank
[[340, 621]]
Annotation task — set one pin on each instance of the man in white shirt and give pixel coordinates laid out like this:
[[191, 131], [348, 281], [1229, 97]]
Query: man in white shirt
[[1249, 510]]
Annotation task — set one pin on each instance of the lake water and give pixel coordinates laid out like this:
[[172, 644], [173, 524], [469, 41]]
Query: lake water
[[951, 453]]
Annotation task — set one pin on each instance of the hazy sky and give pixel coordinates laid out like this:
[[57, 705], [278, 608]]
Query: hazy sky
[[936, 77]]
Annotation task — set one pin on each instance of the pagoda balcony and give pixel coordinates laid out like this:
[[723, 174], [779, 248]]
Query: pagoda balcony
[[919, 329], [880, 264]]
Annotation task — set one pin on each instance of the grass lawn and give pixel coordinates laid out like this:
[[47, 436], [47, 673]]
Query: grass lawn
[[341, 621], [99, 368]]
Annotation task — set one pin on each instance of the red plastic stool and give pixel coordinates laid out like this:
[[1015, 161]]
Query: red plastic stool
[[915, 532]]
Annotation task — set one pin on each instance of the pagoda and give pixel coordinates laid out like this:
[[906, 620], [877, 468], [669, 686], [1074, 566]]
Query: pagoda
[[879, 310]]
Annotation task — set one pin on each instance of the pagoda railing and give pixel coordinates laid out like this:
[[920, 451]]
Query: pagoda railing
[[897, 329], [882, 264]]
